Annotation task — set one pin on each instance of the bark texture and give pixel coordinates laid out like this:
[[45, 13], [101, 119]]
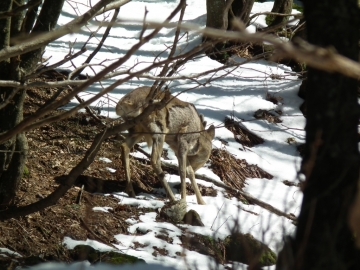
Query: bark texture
[[14, 151], [46, 21], [240, 9], [217, 13], [220, 14], [331, 163], [281, 6]]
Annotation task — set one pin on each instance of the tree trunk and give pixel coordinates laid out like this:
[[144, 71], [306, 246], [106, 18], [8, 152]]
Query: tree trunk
[[46, 21], [8, 114], [220, 13], [217, 13], [13, 152], [283, 7], [331, 163], [240, 9]]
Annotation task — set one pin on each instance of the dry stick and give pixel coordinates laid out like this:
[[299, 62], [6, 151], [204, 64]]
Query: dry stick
[[298, 28], [26, 123], [81, 166], [142, 74], [114, 5], [223, 185], [87, 159], [16, 84], [53, 66], [40, 40], [88, 60], [101, 43], [30, 4], [79, 196], [95, 97], [298, 15], [321, 58], [97, 238], [89, 110], [9, 98], [171, 54]]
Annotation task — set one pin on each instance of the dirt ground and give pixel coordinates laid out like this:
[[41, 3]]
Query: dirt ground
[[54, 150]]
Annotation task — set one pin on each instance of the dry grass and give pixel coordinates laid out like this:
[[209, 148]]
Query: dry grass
[[233, 171]]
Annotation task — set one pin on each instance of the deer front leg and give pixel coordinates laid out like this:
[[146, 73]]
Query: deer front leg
[[158, 142], [182, 159], [125, 151], [186, 169], [191, 175]]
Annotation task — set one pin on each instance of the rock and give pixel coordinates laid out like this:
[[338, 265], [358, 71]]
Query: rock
[[246, 249], [205, 245], [193, 218], [175, 211], [85, 252]]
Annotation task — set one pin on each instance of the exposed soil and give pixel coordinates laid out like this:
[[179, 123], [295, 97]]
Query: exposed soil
[[54, 150]]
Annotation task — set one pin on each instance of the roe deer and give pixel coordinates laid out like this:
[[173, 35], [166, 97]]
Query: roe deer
[[179, 125]]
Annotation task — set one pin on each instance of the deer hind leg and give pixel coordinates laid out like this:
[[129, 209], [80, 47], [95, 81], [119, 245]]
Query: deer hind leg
[[157, 147], [125, 151]]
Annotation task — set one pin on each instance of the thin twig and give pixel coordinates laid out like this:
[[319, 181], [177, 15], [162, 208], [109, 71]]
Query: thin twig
[[37, 41], [246, 195], [28, 5], [297, 15], [67, 58]]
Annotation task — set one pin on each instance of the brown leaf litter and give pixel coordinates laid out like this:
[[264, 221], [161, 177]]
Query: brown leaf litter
[[233, 171]]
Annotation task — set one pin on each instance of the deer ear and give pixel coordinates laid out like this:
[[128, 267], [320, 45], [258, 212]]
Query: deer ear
[[211, 131]]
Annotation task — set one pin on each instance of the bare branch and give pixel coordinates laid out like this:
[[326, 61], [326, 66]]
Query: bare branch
[[300, 50], [67, 58], [172, 52], [13, 12], [40, 40], [10, 97], [26, 123], [114, 5], [97, 49], [19, 85], [79, 168], [297, 15], [90, 100]]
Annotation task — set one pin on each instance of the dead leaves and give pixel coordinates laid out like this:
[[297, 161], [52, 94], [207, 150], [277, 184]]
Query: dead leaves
[[233, 171]]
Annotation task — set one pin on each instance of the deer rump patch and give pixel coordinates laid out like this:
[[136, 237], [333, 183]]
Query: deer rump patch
[[185, 121]]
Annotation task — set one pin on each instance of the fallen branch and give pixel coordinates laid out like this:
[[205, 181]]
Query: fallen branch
[[325, 59], [246, 195], [90, 154], [37, 41], [296, 15]]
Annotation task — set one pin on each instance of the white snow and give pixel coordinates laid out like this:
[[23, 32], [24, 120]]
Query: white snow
[[5, 252], [101, 266], [105, 159], [240, 93]]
